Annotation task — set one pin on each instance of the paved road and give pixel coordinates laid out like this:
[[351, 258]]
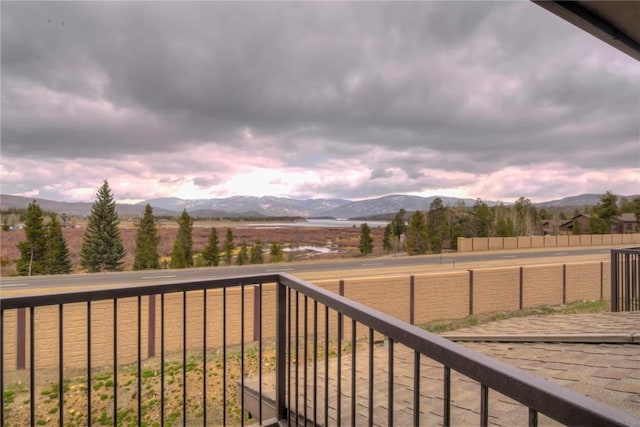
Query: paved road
[[164, 276]]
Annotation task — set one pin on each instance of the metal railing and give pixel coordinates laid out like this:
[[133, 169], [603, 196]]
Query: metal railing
[[297, 338], [625, 279]]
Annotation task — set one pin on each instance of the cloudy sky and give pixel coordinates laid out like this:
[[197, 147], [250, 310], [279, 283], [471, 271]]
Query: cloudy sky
[[494, 100]]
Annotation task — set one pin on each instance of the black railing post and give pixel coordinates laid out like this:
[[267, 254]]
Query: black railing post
[[281, 348], [564, 284], [614, 281], [412, 299], [21, 333], [151, 332], [470, 292]]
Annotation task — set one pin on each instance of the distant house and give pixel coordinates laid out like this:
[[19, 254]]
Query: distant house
[[623, 224], [551, 227], [626, 223], [566, 227]]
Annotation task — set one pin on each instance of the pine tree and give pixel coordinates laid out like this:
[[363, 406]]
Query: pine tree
[[482, 219], [417, 234], [387, 238], [438, 225], [211, 253], [33, 250], [182, 254], [366, 240], [57, 257], [276, 252], [146, 256], [399, 226], [228, 247], [607, 209], [256, 256], [243, 255], [102, 248]]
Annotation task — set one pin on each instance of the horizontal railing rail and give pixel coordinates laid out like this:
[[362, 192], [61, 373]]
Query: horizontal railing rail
[[291, 322], [625, 279]]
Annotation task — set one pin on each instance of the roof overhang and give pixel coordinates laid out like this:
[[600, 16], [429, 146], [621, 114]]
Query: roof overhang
[[614, 22]]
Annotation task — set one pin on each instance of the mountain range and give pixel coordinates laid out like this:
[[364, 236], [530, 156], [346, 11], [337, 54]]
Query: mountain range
[[269, 206]]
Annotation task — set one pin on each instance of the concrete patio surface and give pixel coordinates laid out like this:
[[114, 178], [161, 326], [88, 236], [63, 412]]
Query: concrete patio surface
[[597, 355]]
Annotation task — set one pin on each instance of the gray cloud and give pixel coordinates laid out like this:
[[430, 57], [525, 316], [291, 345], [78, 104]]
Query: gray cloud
[[466, 87]]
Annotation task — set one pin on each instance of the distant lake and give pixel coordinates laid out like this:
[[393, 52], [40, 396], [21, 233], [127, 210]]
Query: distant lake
[[320, 223]]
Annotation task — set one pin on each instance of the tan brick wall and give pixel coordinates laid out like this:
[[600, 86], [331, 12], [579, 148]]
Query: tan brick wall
[[511, 243], [550, 241], [441, 296], [583, 282], [496, 290], [525, 242], [438, 296], [496, 243], [542, 286], [537, 242]]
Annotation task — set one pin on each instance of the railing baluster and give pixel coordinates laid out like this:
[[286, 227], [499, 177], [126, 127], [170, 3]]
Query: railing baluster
[[339, 373], [224, 356], [390, 403], [32, 364], [370, 403], [289, 351], [533, 418], [326, 365], [297, 394], [447, 397], [139, 360], [184, 358], [353, 372], [315, 362], [115, 361], [204, 357], [281, 350], [162, 359], [89, 363], [304, 364], [259, 353], [2, 365], [416, 388], [61, 364], [242, 355], [484, 405]]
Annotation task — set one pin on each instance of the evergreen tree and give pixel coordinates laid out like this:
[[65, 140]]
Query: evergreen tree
[[228, 247], [417, 234], [33, 250], [607, 209], [57, 257], [182, 254], [482, 219], [387, 238], [437, 224], [102, 248], [576, 228], [504, 227], [526, 217], [276, 252], [211, 253], [399, 227], [147, 239], [256, 256], [598, 225], [243, 255], [366, 239]]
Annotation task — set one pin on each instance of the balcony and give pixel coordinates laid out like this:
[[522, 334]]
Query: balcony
[[266, 349]]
